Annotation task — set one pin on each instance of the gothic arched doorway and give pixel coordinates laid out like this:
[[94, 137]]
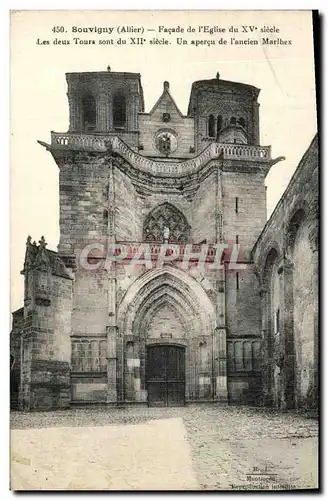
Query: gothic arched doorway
[[165, 375], [167, 335]]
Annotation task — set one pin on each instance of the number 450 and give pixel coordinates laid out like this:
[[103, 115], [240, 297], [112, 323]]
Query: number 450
[[58, 29]]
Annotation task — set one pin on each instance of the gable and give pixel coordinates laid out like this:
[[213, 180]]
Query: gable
[[165, 104]]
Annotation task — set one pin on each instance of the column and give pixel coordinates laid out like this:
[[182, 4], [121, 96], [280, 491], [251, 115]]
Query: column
[[129, 357], [114, 340], [220, 366], [129, 113], [111, 364], [109, 107], [285, 271], [220, 389], [139, 371], [75, 121], [266, 347], [256, 123]]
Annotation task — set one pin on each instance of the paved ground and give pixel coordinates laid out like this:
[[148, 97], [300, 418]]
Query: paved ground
[[208, 448]]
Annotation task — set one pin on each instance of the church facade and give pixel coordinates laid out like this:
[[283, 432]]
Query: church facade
[[169, 286]]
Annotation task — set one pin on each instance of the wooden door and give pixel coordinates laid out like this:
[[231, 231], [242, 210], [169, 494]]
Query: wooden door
[[166, 375]]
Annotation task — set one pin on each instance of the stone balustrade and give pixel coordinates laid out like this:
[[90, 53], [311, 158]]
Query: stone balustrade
[[95, 142]]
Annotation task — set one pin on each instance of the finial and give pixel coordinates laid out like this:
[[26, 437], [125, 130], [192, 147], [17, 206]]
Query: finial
[[108, 68], [166, 85], [42, 242], [34, 243], [28, 242], [218, 75]]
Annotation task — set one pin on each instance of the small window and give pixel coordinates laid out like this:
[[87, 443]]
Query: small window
[[236, 206], [211, 126], [237, 281], [237, 239], [233, 120], [119, 111]]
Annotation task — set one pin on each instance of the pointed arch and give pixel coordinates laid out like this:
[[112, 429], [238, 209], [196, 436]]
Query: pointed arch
[[272, 256], [271, 341], [158, 284], [156, 289], [166, 216], [164, 296], [295, 222]]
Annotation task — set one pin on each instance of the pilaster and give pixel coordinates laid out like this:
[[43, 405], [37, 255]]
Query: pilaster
[[220, 385], [220, 365], [111, 364], [285, 270], [266, 346], [112, 331], [256, 123], [75, 113]]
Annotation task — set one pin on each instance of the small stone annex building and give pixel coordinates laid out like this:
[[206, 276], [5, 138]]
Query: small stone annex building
[[217, 330]]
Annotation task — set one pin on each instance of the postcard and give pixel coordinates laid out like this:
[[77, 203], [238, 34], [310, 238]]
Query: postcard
[[164, 250]]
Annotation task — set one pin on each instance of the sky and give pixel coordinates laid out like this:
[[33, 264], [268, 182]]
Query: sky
[[284, 73]]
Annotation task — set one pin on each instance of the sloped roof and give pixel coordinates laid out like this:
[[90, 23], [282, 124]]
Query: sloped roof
[[165, 94]]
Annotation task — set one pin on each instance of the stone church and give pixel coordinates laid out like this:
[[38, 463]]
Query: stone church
[[169, 286]]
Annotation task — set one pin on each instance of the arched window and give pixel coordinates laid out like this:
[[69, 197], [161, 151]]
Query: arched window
[[242, 122], [119, 111], [233, 120], [211, 126], [165, 222], [89, 112]]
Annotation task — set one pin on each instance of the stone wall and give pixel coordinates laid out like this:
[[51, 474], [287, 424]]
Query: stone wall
[[83, 194], [46, 344], [303, 320], [243, 319], [15, 359], [204, 209], [291, 235], [128, 209], [245, 216]]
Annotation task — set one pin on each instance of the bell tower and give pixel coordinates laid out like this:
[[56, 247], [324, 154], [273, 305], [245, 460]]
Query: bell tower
[[224, 112], [105, 102]]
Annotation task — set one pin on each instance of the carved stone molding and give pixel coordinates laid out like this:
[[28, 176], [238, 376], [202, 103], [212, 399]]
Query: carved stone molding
[[314, 238], [285, 265]]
